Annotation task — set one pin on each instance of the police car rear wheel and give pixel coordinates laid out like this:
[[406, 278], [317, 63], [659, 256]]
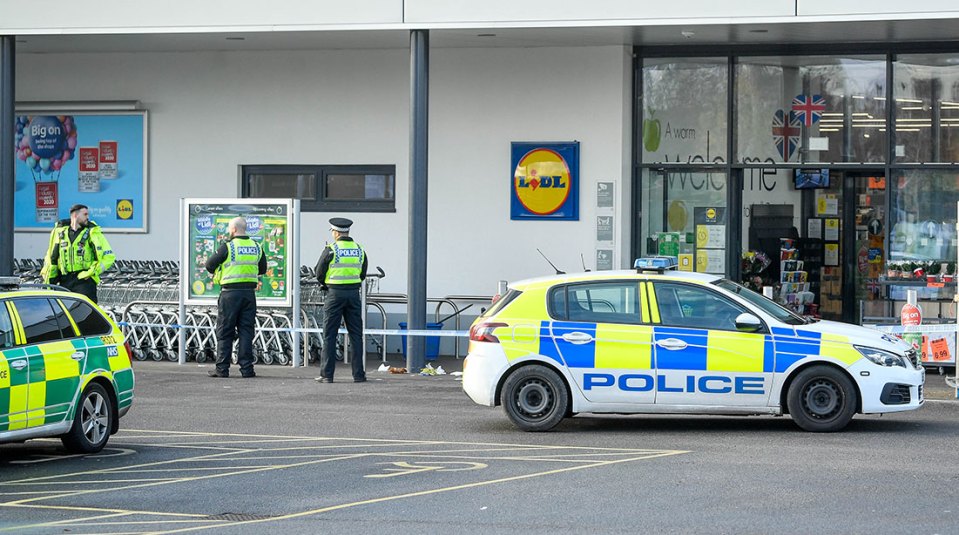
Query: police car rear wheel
[[534, 398], [821, 399], [92, 423]]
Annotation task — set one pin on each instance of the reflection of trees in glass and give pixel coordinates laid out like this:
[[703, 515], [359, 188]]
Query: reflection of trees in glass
[[692, 92]]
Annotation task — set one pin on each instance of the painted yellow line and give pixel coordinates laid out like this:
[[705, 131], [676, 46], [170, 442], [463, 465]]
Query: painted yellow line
[[422, 493], [69, 522], [199, 468], [100, 509]]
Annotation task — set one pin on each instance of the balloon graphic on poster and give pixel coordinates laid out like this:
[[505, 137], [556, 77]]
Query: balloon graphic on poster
[[45, 143]]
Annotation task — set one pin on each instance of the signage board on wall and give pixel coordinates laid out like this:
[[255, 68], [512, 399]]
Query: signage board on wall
[[710, 239], [270, 222], [96, 159], [544, 181]]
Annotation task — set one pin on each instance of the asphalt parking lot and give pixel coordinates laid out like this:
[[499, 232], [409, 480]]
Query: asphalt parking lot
[[412, 454]]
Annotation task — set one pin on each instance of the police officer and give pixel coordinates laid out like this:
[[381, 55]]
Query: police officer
[[236, 266], [341, 270], [77, 254]]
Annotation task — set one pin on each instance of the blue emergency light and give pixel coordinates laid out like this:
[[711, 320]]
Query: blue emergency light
[[655, 263]]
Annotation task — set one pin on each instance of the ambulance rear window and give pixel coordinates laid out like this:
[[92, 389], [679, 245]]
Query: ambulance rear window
[[88, 320]]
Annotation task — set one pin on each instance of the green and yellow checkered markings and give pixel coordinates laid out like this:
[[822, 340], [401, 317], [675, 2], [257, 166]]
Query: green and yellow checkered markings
[[839, 348], [728, 351], [624, 347]]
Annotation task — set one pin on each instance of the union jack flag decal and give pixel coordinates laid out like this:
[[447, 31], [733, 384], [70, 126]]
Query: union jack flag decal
[[809, 109], [785, 135]]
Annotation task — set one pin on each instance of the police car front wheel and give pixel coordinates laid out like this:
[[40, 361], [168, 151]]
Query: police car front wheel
[[821, 399], [92, 423], [535, 398]]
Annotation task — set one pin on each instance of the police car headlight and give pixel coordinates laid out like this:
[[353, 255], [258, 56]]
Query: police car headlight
[[882, 358]]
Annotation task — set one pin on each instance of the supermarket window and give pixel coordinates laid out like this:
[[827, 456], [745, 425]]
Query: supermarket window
[[324, 188]]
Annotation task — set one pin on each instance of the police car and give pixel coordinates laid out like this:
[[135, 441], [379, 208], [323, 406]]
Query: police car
[[670, 342], [65, 370]]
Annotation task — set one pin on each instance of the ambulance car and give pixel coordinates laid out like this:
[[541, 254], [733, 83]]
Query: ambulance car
[[660, 341], [65, 370]]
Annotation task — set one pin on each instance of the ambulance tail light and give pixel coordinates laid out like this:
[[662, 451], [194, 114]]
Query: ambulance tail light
[[483, 332], [126, 345]]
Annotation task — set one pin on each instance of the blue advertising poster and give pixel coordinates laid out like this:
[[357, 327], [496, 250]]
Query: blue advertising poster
[[545, 181], [96, 159]]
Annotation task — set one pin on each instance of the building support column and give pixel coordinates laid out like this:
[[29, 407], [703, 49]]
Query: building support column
[[419, 161], [8, 66]]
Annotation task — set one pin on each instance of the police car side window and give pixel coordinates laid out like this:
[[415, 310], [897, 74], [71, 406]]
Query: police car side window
[[89, 321], [683, 305], [604, 302], [6, 328], [39, 321], [557, 303]]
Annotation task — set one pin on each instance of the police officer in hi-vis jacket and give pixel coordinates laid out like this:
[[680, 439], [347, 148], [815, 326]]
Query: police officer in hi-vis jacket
[[341, 270], [77, 254], [236, 266]]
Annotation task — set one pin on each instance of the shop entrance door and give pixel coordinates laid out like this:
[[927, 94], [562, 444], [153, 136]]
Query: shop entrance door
[[870, 244]]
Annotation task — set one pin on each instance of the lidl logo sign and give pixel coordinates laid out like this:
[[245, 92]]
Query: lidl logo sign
[[124, 209], [545, 179]]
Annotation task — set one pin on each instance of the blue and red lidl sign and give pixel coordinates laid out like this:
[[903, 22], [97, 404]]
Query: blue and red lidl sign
[[545, 181]]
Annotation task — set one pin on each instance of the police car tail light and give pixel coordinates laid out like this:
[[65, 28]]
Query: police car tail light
[[483, 332]]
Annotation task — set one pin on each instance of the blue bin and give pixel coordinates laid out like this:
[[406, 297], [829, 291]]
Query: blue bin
[[432, 342]]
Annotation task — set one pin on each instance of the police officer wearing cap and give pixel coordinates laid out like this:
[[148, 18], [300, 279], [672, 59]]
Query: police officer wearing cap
[[236, 266], [341, 270], [77, 254]]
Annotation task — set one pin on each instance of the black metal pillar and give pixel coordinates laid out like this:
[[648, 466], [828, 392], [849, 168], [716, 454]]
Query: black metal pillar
[[7, 120], [419, 144]]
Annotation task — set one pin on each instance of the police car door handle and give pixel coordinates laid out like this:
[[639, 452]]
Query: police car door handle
[[672, 344], [77, 356], [577, 338], [18, 364]]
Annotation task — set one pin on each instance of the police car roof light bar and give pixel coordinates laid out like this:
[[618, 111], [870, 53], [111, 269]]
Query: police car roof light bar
[[658, 264], [7, 283]]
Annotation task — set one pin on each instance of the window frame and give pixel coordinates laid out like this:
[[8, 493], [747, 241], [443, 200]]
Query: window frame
[[323, 203]]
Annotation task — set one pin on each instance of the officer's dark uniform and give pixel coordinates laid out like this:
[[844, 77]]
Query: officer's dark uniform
[[236, 265], [341, 269]]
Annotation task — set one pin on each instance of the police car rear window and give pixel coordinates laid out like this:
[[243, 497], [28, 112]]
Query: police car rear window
[[88, 320]]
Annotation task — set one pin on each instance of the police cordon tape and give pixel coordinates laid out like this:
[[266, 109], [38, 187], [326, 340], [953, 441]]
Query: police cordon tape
[[403, 332], [924, 329]]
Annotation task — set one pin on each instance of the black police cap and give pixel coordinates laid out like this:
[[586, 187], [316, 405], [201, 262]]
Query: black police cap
[[340, 224]]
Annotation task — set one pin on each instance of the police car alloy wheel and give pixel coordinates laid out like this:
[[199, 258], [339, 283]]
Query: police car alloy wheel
[[535, 398], [92, 423], [821, 399]]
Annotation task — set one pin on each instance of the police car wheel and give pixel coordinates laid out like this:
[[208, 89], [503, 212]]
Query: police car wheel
[[821, 399], [535, 398], [92, 423]]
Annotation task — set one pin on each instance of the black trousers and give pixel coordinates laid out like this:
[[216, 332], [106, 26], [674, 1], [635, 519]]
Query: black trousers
[[345, 305], [86, 287], [236, 315]]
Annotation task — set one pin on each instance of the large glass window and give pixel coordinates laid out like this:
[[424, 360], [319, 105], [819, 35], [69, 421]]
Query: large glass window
[[923, 216], [325, 188], [811, 109], [927, 108], [684, 215], [684, 110]]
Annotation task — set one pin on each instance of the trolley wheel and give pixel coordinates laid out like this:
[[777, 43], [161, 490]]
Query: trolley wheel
[[200, 355], [139, 354], [155, 354], [266, 357], [172, 355], [233, 359], [282, 358]]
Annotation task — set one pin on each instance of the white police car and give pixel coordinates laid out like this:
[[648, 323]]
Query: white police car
[[659, 341]]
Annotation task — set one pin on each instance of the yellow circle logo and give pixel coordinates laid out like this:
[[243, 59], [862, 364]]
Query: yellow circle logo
[[198, 287], [124, 209], [541, 181], [274, 285], [711, 213]]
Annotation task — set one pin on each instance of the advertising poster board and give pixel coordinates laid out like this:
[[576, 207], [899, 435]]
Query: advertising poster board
[[710, 239], [270, 222], [98, 159]]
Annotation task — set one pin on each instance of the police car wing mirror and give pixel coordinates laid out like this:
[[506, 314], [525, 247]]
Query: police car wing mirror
[[748, 323]]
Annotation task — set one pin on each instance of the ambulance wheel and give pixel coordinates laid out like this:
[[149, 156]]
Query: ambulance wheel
[[91, 425], [821, 399], [534, 398]]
